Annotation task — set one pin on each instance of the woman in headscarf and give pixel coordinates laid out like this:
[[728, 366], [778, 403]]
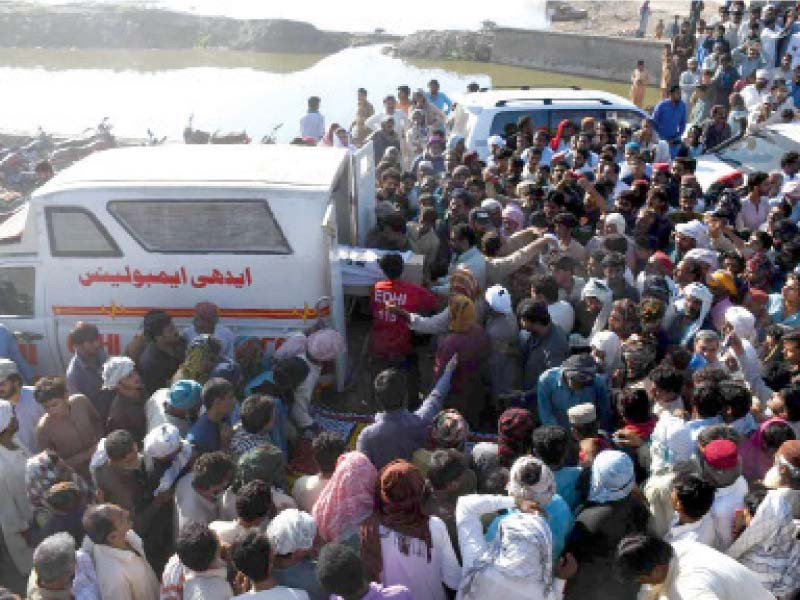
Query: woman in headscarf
[[449, 430], [460, 282], [514, 430], [468, 340], [591, 313], [671, 449], [347, 500], [518, 563], [758, 451], [612, 512], [401, 545], [202, 356]]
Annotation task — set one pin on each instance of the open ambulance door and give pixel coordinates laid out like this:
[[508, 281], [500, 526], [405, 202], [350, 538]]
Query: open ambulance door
[[363, 170], [336, 289]]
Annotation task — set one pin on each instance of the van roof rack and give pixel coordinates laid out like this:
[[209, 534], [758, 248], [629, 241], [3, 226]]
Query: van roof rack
[[529, 87], [549, 101]]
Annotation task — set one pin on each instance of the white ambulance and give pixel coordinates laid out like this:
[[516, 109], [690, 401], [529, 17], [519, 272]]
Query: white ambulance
[[253, 229]]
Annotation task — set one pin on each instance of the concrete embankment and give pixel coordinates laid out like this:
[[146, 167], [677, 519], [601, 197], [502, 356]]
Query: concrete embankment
[[92, 26], [577, 54]]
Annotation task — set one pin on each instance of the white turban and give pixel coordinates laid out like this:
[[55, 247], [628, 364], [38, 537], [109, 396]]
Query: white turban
[[618, 221], [325, 345], [6, 414], [597, 288], [294, 346], [609, 343], [115, 369], [702, 293], [291, 531], [705, 256], [498, 298], [491, 204], [695, 230], [742, 321], [162, 441], [541, 492]]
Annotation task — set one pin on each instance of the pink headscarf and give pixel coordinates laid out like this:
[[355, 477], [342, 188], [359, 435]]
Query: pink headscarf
[[513, 213], [756, 460], [325, 345], [293, 346], [349, 497]]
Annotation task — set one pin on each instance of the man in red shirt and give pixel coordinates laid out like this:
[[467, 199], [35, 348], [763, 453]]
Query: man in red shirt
[[390, 338]]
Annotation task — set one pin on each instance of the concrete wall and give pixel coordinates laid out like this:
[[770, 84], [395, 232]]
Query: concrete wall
[[586, 55]]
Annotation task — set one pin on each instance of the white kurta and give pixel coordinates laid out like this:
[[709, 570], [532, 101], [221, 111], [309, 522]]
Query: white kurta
[[123, 574], [698, 572], [15, 508]]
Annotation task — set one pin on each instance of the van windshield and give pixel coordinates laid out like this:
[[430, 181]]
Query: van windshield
[[759, 151]]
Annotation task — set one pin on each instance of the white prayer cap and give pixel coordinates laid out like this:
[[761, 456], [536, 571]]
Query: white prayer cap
[[695, 230], [617, 220], [291, 531], [582, 414], [496, 140], [763, 74], [705, 256], [115, 369], [163, 441], [7, 368], [499, 299], [491, 204], [6, 414]]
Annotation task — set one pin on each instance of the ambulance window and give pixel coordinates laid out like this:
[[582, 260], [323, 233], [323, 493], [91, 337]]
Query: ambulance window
[[202, 226], [76, 232], [17, 286]]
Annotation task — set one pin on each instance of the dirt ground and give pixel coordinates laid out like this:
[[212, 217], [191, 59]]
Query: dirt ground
[[621, 18]]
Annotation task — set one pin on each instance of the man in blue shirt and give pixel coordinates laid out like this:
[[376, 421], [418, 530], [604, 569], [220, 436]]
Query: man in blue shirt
[[9, 349], [575, 382], [211, 432], [669, 117], [437, 98]]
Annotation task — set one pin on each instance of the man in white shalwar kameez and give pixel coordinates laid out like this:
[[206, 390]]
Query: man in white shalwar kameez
[[15, 508]]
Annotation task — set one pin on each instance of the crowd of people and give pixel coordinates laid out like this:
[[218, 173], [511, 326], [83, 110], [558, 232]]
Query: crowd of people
[[594, 392], [735, 73]]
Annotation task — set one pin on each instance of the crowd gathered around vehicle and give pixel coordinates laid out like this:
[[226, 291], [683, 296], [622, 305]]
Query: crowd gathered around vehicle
[[593, 393]]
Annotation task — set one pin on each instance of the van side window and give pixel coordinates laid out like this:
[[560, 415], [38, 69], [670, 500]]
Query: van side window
[[74, 231], [202, 226], [501, 119], [17, 286]]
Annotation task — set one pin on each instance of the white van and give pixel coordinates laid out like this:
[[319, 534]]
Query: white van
[[482, 114], [253, 229]]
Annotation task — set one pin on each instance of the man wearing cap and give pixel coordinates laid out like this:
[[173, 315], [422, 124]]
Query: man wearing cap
[[177, 405], [22, 399], [721, 467], [206, 320], [127, 407], [689, 80], [669, 117], [583, 420], [574, 382], [755, 93]]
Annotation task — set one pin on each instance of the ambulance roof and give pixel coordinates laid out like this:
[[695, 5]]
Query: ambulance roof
[[204, 164]]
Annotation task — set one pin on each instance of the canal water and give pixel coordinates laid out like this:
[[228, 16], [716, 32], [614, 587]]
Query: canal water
[[65, 91]]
